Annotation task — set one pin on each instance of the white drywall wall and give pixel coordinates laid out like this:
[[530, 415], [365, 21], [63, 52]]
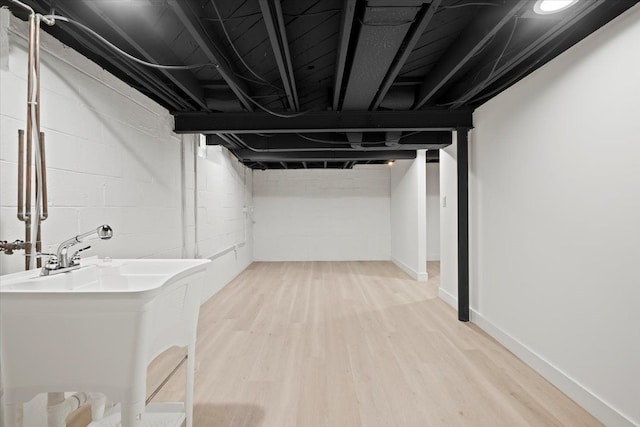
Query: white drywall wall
[[449, 223], [113, 158], [322, 214], [555, 202], [433, 211], [409, 216]]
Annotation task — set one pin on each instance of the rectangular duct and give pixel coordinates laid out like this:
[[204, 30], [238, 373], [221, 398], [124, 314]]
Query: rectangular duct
[[382, 29]]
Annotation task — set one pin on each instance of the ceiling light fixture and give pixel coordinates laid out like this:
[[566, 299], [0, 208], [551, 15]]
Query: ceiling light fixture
[[546, 7], [390, 162]]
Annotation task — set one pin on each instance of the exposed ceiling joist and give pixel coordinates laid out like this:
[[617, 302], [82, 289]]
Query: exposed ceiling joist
[[324, 156], [470, 90], [348, 11], [466, 48], [289, 141], [324, 121], [147, 45], [422, 20], [274, 22], [189, 18]]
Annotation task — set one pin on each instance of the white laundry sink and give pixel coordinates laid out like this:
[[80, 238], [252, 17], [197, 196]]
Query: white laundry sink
[[97, 328]]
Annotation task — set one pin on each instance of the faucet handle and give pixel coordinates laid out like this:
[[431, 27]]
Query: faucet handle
[[52, 262], [44, 254], [76, 256]]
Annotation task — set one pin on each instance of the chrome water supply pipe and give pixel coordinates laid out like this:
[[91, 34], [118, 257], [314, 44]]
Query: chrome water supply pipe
[[31, 150]]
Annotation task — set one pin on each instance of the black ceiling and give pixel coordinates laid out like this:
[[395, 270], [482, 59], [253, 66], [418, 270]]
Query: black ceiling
[[324, 83]]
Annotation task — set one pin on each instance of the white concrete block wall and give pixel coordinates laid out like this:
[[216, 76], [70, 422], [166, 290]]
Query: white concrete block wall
[[322, 214], [225, 229], [111, 155]]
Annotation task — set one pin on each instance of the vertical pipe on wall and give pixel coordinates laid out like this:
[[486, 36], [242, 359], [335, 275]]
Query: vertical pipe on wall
[[32, 163], [196, 148], [463, 223], [183, 196]]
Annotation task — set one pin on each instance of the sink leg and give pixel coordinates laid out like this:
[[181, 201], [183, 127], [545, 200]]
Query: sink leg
[[132, 414], [188, 401]]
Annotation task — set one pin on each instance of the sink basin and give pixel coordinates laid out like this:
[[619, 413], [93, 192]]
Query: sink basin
[[97, 328], [106, 276]]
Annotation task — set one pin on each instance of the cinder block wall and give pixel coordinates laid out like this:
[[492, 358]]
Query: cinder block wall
[[111, 155], [322, 215]]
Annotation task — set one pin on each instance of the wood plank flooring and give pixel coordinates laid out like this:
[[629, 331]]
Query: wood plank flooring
[[353, 344]]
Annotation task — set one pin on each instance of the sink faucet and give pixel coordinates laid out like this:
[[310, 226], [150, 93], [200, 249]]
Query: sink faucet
[[65, 260]]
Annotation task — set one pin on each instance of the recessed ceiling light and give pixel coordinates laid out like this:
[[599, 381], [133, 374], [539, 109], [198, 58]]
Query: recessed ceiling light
[[546, 7], [390, 162]]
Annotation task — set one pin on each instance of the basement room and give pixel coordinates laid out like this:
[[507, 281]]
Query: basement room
[[336, 213]]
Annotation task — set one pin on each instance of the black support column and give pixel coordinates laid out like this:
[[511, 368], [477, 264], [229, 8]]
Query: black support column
[[463, 224]]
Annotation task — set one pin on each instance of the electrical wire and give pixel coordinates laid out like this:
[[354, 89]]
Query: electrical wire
[[504, 49], [173, 67], [322, 141], [265, 109], [531, 66], [455, 6], [256, 81], [224, 30], [484, 46], [237, 140], [304, 15], [325, 141], [288, 15], [233, 18], [386, 24], [131, 57]]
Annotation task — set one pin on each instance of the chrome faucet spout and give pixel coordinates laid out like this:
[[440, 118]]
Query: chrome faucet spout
[[63, 260], [103, 232]]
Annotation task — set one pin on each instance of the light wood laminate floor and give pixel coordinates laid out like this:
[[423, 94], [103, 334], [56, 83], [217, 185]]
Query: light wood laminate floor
[[353, 344]]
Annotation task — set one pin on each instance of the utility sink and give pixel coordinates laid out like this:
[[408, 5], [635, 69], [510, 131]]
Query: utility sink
[[97, 328]]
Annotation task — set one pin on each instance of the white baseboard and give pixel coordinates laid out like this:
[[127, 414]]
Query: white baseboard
[[421, 276], [572, 388], [448, 298]]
